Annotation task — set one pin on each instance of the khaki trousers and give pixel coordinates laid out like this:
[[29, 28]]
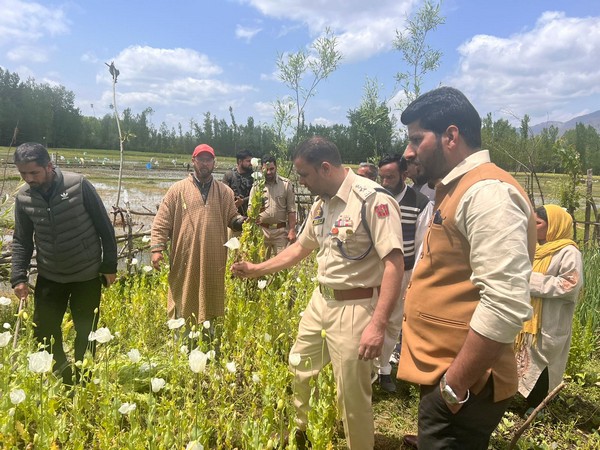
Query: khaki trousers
[[343, 322], [275, 241]]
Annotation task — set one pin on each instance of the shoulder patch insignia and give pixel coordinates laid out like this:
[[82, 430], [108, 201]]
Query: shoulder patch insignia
[[382, 210]]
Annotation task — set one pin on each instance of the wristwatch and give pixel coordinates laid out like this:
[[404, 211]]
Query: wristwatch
[[448, 394]]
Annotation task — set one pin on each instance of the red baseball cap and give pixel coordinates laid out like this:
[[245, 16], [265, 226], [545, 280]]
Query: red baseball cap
[[203, 148]]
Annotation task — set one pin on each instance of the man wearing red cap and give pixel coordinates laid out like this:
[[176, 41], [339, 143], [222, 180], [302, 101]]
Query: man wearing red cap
[[194, 216]]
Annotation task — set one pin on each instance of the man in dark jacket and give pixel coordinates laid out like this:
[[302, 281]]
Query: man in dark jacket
[[240, 180], [62, 216]]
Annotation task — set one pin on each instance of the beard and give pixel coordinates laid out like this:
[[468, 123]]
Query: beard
[[435, 166]]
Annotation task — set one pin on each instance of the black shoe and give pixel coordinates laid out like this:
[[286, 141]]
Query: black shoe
[[387, 383], [302, 441]]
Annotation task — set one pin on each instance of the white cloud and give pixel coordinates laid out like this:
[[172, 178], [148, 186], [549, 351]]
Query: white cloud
[[28, 53], [533, 72], [362, 28], [143, 64], [323, 121], [246, 33], [90, 57], [264, 110], [167, 79], [27, 23]]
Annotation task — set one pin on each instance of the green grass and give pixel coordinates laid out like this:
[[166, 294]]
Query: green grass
[[236, 411]]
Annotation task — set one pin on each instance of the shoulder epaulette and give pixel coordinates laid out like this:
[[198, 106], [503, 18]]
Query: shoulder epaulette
[[363, 192]]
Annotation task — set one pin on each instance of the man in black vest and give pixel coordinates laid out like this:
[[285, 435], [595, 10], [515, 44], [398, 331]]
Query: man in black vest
[[62, 216], [240, 180], [416, 212]]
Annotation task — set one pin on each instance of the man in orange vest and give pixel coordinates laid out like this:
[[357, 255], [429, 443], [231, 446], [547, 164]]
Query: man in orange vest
[[469, 293]]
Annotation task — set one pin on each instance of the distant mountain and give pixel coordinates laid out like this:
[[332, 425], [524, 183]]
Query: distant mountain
[[592, 119]]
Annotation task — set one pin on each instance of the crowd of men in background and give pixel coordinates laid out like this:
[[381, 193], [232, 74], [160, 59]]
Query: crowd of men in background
[[431, 260]]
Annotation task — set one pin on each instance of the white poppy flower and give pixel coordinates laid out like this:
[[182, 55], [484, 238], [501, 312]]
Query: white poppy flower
[[257, 175], [6, 326], [267, 337], [4, 301], [96, 381], [194, 445], [134, 261], [17, 396], [101, 335], [295, 359], [184, 349], [262, 284], [157, 384], [173, 324], [147, 269], [127, 407], [211, 354], [145, 367], [232, 244], [198, 361], [230, 366], [256, 377], [134, 355], [206, 324], [146, 238], [40, 362], [5, 338], [255, 162], [194, 334]]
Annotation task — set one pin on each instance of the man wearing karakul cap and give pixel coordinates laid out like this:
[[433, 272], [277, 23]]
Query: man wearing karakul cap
[[194, 216]]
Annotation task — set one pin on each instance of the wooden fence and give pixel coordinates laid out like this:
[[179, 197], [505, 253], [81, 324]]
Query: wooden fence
[[591, 223]]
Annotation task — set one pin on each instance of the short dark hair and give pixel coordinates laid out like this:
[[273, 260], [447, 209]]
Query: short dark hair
[[242, 155], [32, 152], [316, 150], [436, 110], [395, 158], [542, 213], [266, 159]]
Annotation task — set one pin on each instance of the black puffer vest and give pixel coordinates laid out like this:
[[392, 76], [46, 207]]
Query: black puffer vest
[[67, 245]]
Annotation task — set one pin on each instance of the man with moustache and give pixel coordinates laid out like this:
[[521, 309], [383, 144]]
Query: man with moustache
[[240, 180], [277, 216], [416, 212], [193, 217], [355, 228], [469, 293], [414, 171], [62, 216]]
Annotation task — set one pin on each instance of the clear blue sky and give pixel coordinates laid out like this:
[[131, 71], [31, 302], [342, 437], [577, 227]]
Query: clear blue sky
[[183, 58]]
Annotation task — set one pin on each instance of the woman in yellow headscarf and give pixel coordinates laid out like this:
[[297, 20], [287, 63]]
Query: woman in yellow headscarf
[[557, 277]]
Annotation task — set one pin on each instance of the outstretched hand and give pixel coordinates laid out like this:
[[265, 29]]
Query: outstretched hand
[[244, 269]]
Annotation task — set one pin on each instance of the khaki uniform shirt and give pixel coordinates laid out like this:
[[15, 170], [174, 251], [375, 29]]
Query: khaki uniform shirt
[[338, 219], [278, 201]]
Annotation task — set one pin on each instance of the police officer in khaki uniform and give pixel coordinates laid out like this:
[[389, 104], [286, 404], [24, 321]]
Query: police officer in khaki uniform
[[277, 216], [356, 229]]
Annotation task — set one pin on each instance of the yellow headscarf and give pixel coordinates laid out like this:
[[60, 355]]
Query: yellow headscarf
[[560, 230]]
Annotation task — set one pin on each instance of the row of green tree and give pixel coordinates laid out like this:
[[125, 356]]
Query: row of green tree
[[31, 111]]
